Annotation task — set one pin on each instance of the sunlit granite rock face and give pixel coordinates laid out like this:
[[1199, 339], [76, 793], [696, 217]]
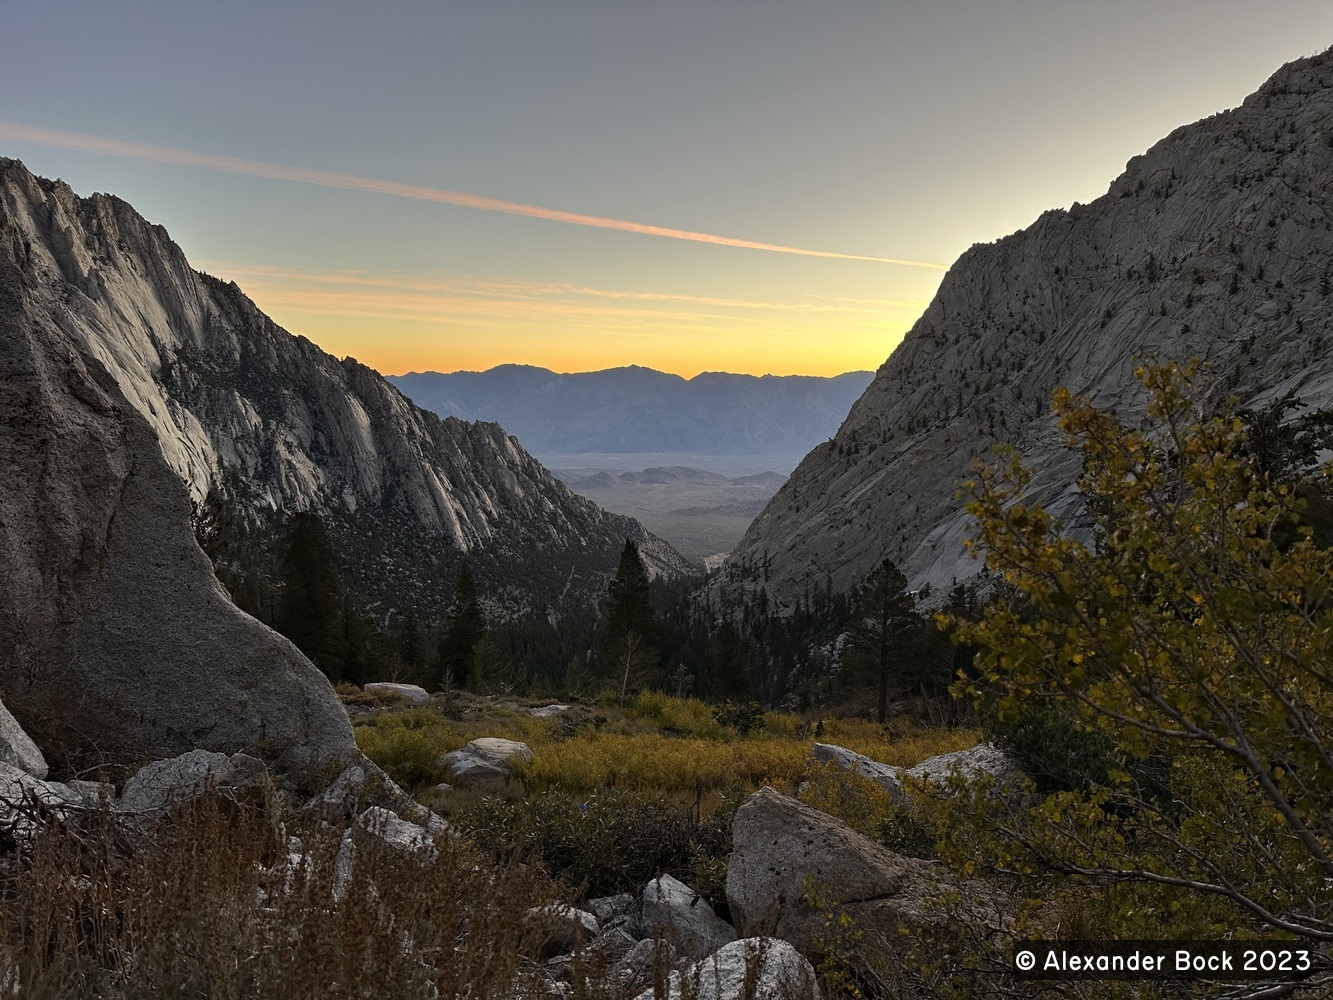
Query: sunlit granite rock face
[[1216, 243], [221, 384]]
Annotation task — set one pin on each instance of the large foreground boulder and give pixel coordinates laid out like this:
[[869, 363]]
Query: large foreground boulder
[[118, 642], [801, 875]]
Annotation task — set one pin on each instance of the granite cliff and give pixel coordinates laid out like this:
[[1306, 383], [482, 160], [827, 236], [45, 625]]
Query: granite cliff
[[1216, 243], [406, 493]]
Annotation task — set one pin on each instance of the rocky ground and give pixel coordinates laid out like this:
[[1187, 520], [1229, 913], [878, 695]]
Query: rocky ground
[[358, 849]]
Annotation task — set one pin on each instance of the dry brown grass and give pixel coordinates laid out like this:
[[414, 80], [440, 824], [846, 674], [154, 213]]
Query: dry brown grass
[[210, 906]]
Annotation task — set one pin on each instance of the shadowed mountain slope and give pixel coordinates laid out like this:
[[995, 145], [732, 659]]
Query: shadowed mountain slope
[[1215, 243]]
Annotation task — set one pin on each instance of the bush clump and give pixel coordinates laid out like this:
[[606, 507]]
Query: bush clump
[[408, 745], [607, 842]]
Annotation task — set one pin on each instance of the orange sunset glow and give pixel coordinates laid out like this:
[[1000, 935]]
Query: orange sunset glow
[[474, 323]]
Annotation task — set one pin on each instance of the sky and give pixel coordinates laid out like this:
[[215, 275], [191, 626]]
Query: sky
[[761, 186]]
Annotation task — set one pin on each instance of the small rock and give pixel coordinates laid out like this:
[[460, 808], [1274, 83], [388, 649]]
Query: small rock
[[344, 867], [982, 761], [547, 711], [413, 693], [564, 927], [17, 747], [639, 963], [398, 833], [672, 910], [886, 776], [18, 788], [166, 783], [773, 967], [486, 760], [393, 833], [604, 908], [340, 800], [90, 794], [610, 947]]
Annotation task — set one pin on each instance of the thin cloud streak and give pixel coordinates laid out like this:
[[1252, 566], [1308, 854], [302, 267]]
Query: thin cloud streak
[[450, 309], [83, 143]]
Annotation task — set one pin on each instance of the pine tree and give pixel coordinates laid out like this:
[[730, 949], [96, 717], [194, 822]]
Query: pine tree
[[731, 673], [366, 656], [881, 622], [630, 647], [409, 646], [463, 630], [308, 611]]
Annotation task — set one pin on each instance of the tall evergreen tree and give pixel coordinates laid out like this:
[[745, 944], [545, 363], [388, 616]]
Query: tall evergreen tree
[[366, 656], [408, 643], [308, 610], [463, 630], [882, 620], [629, 649], [731, 670]]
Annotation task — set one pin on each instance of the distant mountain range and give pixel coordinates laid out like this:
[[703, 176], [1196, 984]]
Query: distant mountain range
[[638, 410]]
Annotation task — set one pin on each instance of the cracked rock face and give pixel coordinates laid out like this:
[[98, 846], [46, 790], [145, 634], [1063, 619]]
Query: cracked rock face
[[1215, 243], [117, 642]]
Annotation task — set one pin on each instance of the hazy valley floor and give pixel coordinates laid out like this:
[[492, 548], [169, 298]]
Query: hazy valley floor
[[701, 513]]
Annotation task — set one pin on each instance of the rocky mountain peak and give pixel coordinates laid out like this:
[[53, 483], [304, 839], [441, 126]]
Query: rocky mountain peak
[[223, 386], [1214, 243]]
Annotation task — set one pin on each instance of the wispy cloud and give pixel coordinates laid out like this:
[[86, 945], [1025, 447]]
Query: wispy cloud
[[396, 293], [461, 299], [16, 132]]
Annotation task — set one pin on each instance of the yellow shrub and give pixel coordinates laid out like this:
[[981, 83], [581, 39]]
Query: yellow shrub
[[685, 715], [652, 762], [903, 744], [782, 725], [408, 745], [857, 801]]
